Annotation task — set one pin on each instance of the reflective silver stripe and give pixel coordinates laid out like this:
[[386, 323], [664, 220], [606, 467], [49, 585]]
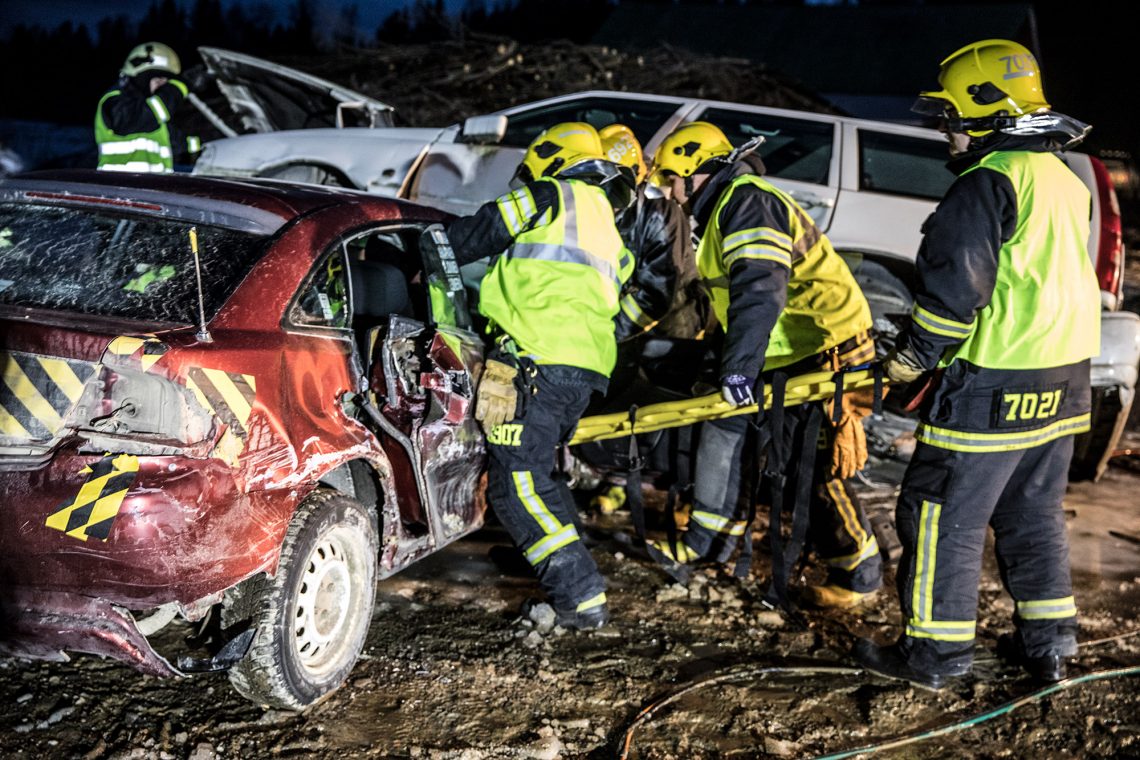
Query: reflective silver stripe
[[593, 601], [925, 561], [552, 252], [1047, 609], [764, 252], [718, 523], [124, 147], [524, 488], [134, 166], [931, 322], [633, 310], [852, 561], [941, 630], [158, 108], [989, 442], [770, 234], [193, 144], [508, 209], [552, 543]]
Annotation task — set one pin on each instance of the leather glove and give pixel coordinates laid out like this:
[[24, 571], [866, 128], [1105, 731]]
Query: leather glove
[[902, 367], [738, 389], [849, 449], [497, 398]]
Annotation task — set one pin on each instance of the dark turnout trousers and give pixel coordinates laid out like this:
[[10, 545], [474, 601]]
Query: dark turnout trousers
[[948, 499], [838, 527], [536, 509]]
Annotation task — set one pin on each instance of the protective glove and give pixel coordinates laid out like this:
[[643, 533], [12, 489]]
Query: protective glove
[[849, 449], [738, 389], [498, 397], [197, 78], [902, 366]]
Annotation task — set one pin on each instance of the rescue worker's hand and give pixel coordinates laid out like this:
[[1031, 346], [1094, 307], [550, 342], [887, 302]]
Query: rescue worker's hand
[[902, 367], [849, 450], [497, 398], [738, 389]]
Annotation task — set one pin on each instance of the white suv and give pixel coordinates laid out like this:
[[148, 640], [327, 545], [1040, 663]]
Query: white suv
[[868, 184]]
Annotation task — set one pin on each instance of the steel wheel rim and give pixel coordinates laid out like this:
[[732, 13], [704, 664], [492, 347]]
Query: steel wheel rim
[[329, 587]]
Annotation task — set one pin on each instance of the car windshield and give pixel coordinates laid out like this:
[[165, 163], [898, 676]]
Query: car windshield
[[103, 264]]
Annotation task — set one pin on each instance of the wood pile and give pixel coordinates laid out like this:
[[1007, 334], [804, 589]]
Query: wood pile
[[442, 83]]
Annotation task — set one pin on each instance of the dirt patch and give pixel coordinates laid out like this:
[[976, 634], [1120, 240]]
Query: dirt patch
[[451, 671]]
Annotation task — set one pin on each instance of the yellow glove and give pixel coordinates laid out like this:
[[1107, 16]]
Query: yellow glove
[[497, 399], [901, 367], [849, 451]]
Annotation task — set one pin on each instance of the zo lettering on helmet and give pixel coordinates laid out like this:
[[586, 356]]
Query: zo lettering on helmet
[[1019, 65]]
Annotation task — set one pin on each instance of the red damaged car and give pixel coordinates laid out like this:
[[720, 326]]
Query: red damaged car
[[244, 399]]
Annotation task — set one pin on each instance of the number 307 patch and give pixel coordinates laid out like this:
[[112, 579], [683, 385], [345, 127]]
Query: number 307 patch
[[1018, 408]]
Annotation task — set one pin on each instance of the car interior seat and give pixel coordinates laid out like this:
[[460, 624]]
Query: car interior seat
[[378, 291]]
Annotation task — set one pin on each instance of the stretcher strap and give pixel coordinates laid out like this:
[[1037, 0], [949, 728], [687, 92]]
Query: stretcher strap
[[633, 481]]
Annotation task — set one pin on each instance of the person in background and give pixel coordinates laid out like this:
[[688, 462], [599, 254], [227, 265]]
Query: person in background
[[134, 128]]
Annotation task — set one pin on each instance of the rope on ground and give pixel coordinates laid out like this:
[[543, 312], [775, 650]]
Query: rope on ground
[[1004, 709], [736, 675]]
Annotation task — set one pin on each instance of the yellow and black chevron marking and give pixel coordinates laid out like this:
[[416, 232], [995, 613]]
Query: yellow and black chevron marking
[[142, 352], [92, 511], [37, 392], [230, 397]]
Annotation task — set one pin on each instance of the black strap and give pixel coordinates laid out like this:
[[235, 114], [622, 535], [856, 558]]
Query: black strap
[[877, 401], [770, 470], [633, 480], [803, 488], [837, 398]]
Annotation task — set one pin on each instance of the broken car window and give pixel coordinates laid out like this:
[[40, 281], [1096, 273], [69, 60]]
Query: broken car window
[[103, 264]]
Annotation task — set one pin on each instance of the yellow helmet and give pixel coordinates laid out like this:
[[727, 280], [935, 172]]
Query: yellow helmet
[[983, 81], [151, 56], [622, 147], [689, 146], [558, 148]]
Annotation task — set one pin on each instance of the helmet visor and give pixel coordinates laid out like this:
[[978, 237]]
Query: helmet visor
[[933, 107]]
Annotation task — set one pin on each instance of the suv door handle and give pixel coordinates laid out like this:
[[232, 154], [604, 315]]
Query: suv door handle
[[811, 200]]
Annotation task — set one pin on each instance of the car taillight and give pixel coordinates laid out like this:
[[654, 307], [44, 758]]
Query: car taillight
[[1110, 251]]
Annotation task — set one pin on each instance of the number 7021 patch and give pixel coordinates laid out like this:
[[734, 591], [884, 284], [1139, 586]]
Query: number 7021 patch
[[1018, 408]]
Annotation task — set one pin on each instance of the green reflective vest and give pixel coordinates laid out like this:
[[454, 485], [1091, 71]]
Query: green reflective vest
[[825, 305], [141, 151], [1045, 307], [555, 290]]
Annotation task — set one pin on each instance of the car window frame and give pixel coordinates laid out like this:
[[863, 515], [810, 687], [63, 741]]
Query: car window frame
[[858, 132], [680, 104]]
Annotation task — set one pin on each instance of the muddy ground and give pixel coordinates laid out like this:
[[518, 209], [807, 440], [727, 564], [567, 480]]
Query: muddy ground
[[451, 671]]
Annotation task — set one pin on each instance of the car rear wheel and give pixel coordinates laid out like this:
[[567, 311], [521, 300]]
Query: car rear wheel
[[311, 618]]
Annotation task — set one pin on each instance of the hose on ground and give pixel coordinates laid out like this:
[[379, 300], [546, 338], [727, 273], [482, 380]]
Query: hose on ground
[[1004, 709]]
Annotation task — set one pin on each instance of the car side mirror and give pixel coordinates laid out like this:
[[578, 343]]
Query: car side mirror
[[484, 130]]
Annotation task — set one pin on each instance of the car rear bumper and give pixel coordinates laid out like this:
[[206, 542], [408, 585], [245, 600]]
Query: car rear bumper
[[1119, 359], [42, 625]]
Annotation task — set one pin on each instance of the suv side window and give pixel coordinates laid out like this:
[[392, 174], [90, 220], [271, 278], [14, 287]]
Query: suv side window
[[902, 165], [794, 149], [644, 117], [323, 301]]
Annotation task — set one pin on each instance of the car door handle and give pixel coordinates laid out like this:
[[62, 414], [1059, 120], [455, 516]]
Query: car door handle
[[808, 200]]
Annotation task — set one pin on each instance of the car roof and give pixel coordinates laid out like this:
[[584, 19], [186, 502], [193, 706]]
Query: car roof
[[255, 205]]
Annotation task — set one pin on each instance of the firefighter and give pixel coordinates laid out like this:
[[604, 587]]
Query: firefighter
[[550, 298], [664, 295], [134, 127], [1007, 309], [788, 305]]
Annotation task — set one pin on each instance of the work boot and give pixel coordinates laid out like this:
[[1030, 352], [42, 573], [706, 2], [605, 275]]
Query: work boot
[[889, 662], [673, 560], [1045, 669], [575, 620], [832, 596]]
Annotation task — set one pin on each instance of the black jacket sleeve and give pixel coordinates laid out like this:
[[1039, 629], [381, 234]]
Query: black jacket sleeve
[[128, 112], [485, 233], [957, 262], [659, 238], [757, 287]]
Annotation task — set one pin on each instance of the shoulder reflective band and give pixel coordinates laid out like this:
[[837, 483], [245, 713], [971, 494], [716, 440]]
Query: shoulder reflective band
[[815, 386]]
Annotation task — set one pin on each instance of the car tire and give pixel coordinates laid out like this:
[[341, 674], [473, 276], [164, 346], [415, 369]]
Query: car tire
[[311, 618]]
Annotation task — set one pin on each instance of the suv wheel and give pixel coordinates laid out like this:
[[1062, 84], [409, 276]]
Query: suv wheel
[[311, 618]]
